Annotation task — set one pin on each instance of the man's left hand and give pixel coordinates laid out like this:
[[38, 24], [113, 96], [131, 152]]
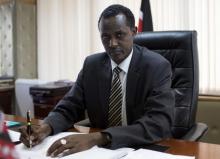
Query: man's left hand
[[76, 143]]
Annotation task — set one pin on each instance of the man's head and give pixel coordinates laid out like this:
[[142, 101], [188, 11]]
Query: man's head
[[117, 29]]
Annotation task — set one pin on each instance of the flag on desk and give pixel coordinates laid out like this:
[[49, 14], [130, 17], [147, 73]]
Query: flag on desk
[[145, 19], [7, 149]]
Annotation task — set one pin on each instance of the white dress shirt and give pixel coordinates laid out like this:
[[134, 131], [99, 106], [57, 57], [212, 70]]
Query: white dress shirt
[[124, 65]]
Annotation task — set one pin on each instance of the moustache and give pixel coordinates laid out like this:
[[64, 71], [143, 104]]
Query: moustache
[[115, 50]]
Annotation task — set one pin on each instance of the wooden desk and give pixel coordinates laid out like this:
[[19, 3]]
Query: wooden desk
[[21, 119], [199, 149], [179, 147]]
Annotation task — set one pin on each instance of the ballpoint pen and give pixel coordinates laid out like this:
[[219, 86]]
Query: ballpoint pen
[[29, 128]]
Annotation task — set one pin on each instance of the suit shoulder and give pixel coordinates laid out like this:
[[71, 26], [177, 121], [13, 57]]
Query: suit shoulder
[[95, 60], [96, 57]]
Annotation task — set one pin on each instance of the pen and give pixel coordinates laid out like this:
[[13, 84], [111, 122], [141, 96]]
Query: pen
[[29, 127]]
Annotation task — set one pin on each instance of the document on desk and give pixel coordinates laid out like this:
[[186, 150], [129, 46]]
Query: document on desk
[[39, 151], [14, 135], [144, 153]]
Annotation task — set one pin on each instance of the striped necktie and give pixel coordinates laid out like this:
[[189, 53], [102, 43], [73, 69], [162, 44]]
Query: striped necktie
[[115, 100]]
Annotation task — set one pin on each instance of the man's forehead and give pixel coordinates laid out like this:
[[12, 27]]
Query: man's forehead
[[114, 22], [118, 17]]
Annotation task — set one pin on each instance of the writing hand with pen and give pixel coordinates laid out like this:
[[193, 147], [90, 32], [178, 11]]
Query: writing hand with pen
[[32, 135], [65, 146]]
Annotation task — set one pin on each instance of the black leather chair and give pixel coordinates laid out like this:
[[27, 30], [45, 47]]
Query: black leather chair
[[180, 48]]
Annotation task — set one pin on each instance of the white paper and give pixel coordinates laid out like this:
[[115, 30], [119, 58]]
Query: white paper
[[144, 153], [39, 151], [99, 153], [14, 135]]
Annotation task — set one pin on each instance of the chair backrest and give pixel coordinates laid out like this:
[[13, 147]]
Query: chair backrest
[[180, 48]]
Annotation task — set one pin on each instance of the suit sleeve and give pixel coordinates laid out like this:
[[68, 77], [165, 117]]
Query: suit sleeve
[[156, 122], [68, 110]]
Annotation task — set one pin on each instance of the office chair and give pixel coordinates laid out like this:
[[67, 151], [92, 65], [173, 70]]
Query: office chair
[[180, 48]]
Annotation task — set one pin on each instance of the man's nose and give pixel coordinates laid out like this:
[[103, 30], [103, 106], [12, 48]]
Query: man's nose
[[113, 42]]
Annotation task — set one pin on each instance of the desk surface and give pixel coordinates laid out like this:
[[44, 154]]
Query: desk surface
[[179, 147], [199, 149]]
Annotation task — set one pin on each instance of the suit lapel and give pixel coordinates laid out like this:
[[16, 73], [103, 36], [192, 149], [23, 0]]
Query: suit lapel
[[132, 81], [104, 87]]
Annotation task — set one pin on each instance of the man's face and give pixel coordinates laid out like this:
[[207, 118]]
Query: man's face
[[117, 37]]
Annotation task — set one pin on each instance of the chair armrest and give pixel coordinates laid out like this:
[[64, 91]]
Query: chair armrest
[[84, 122], [196, 132]]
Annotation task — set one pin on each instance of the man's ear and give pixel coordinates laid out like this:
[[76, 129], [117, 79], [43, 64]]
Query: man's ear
[[134, 30]]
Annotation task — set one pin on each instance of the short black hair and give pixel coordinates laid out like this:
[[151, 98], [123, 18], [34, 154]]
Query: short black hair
[[116, 9]]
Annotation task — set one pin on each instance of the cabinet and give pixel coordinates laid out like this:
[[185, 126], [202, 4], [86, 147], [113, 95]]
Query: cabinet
[[46, 96], [6, 97], [6, 94]]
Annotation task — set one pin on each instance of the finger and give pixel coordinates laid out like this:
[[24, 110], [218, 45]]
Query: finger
[[27, 142], [23, 131], [59, 150], [35, 141], [24, 141], [35, 137], [70, 151], [53, 147], [24, 137]]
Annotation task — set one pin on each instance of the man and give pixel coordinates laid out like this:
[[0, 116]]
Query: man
[[145, 100]]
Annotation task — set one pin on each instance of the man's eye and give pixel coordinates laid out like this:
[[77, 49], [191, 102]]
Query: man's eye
[[120, 35], [105, 37]]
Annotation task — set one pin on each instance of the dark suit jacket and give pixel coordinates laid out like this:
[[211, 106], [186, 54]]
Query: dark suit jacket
[[149, 99]]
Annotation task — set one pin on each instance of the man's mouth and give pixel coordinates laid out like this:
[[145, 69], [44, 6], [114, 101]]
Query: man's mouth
[[115, 51]]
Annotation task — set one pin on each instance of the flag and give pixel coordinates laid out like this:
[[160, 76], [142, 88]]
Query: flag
[[145, 19], [7, 149]]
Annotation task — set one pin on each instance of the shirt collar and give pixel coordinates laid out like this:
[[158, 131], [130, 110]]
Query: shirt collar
[[124, 65]]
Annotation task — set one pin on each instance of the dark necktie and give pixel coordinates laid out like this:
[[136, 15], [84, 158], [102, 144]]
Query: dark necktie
[[115, 100]]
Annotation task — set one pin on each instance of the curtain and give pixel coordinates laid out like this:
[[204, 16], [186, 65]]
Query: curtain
[[67, 33], [204, 17]]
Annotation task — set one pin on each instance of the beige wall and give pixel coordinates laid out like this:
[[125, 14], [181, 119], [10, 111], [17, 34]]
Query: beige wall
[[209, 113]]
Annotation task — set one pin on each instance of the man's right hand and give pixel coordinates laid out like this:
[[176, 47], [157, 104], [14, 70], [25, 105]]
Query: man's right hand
[[38, 134]]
